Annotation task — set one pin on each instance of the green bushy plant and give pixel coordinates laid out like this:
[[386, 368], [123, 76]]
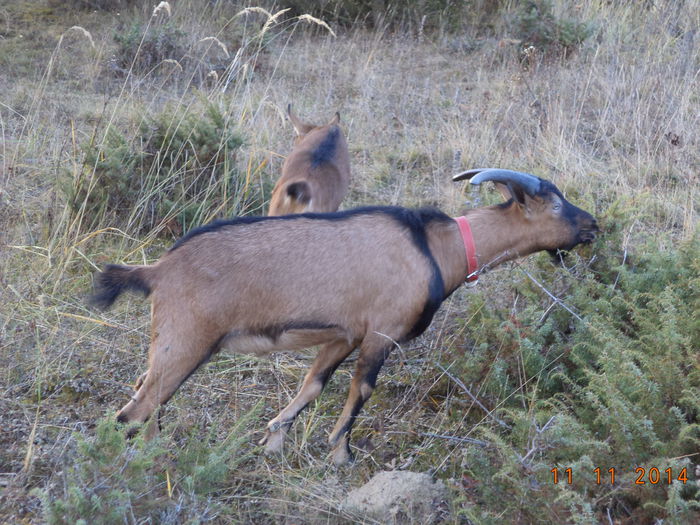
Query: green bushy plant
[[142, 48], [91, 5], [399, 14], [617, 387], [112, 479], [537, 25], [179, 163], [105, 480], [114, 164]]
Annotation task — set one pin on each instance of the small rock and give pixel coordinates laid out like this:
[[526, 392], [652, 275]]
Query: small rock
[[398, 497]]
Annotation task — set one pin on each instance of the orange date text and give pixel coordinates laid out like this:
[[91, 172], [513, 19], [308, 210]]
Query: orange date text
[[643, 475]]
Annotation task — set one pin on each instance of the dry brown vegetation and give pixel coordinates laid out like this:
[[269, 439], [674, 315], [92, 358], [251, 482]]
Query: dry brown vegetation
[[120, 130]]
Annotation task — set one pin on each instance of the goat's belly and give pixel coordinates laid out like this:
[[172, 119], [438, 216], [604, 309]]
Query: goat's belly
[[275, 339]]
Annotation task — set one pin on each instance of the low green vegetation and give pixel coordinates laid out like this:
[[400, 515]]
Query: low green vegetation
[[112, 480], [537, 25], [177, 165], [611, 381]]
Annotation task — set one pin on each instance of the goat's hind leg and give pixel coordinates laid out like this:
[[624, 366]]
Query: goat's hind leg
[[140, 381], [327, 361], [373, 352], [170, 366]]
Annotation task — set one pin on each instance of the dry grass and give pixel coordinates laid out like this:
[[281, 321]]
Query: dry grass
[[615, 126]]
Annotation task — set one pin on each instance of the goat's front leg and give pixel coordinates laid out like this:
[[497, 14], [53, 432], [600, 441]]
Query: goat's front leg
[[369, 362], [327, 361]]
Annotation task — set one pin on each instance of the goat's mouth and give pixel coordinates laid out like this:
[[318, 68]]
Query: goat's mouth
[[587, 236]]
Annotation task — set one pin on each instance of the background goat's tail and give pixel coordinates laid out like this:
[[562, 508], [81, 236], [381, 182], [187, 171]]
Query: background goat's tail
[[115, 279]]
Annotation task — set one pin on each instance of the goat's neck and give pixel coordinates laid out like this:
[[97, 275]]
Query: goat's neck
[[500, 234]]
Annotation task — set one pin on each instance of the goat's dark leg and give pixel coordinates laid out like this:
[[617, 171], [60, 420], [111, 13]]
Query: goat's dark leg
[[327, 361], [373, 352]]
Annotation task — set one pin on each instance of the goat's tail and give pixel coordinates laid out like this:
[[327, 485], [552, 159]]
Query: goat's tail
[[115, 279]]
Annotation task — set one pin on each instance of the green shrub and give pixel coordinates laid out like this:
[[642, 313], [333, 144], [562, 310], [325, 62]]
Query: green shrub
[[537, 25], [142, 48], [105, 479], [109, 479], [91, 5], [617, 388], [405, 14], [179, 164], [114, 164]]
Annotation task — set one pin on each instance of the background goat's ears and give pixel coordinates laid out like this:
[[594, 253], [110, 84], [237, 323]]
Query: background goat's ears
[[300, 127], [335, 120]]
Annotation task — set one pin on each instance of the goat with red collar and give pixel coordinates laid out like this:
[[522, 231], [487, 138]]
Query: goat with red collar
[[365, 278]]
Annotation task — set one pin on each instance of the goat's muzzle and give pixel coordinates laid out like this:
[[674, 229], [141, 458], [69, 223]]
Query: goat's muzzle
[[584, 235], [587, 235]]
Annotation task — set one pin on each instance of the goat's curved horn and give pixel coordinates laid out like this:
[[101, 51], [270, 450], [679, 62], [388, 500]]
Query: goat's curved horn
[[529, 183], [467, 174]]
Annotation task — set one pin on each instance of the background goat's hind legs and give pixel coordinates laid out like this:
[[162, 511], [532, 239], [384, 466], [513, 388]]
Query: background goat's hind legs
[[327, 361]]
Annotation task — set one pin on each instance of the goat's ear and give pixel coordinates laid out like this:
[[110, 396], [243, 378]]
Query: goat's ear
[[335, 120], [300, 192], [504, 191], [300, 127], [512, 191]]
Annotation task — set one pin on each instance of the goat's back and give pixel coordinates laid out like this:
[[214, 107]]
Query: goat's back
[[322, 267]]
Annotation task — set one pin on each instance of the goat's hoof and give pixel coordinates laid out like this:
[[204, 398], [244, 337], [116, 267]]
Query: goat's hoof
[[341, 454], [274, 436], [132, 431], [274, 441]]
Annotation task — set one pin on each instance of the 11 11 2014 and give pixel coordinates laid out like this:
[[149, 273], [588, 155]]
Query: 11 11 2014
[[644, 475]]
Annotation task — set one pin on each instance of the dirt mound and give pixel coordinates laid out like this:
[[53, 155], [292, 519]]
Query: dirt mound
[[398, 497]]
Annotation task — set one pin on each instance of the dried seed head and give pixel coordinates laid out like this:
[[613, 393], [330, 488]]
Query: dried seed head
[[163, 6], [218, 43], [313, 20]]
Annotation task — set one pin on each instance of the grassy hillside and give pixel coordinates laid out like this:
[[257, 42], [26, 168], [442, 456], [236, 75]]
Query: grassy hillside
[[122, 127]]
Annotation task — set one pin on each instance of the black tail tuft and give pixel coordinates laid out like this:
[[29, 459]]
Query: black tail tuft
[[300, 192], [115, 279]]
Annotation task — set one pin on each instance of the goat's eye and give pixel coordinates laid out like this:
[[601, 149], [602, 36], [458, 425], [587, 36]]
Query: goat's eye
[[556, 207]]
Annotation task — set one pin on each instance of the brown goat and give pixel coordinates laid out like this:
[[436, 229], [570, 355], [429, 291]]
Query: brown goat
[[316, 174], [367, 278]]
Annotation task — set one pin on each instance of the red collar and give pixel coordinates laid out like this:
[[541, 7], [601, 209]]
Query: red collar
[[468, 238]]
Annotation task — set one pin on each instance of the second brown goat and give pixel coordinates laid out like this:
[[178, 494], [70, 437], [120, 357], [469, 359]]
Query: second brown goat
[[367, 278], [316, 174]]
